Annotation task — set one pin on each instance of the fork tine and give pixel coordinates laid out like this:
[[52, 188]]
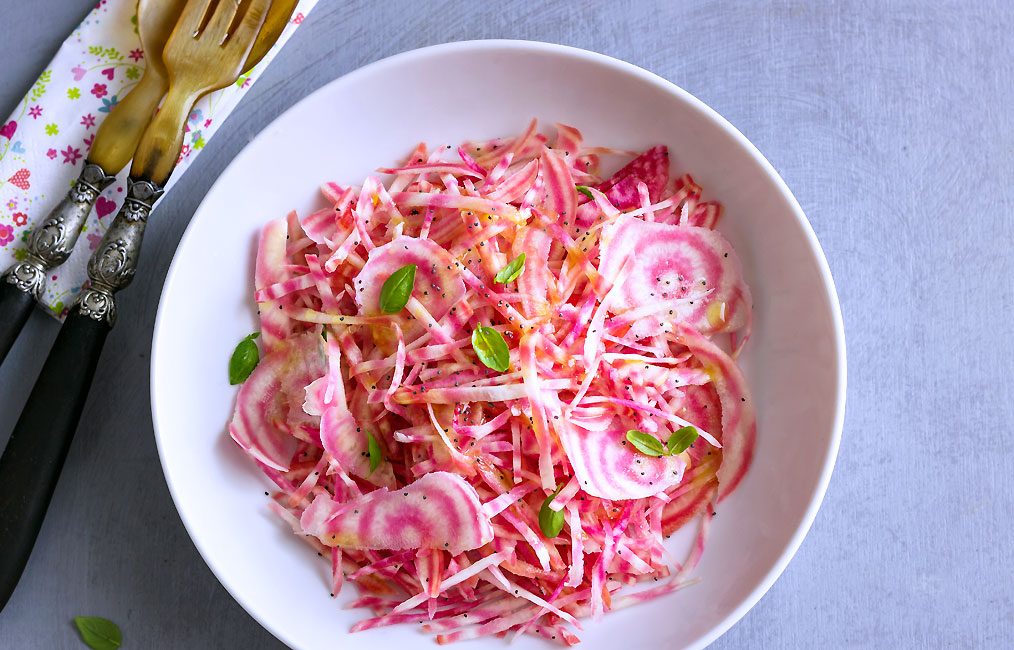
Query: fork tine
[[248, 21], [227, 15], [204, 16], [196, 67], [237, 15]]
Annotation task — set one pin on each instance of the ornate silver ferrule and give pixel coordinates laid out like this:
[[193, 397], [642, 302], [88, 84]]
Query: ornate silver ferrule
[[28, 276], [113, 263], [53, 240]]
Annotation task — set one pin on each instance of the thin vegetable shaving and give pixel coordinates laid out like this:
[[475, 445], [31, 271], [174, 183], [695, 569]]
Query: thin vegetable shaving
[[493, 381]]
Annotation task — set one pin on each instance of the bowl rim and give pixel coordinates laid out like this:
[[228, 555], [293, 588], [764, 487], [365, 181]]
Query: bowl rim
[[693, 102]]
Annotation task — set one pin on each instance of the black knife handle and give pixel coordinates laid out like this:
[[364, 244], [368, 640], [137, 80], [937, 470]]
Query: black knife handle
[[15, 307], [31, 463]]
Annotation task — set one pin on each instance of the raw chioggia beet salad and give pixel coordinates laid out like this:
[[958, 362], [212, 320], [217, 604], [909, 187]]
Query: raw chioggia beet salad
[[490, 383]]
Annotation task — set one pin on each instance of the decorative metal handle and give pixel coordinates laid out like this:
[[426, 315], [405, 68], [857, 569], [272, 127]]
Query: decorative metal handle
[[53, 240], [113, 263]]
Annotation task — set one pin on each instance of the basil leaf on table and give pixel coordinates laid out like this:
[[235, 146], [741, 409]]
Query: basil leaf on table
[[646, 443], [397, 289], [491, 348], [99, 633], [511, 272], [244, 359]]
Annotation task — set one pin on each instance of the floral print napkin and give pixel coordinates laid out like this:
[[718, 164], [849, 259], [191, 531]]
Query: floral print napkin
[[44, 142]]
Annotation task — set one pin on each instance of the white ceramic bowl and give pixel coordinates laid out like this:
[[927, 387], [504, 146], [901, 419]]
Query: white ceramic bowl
[[795, 361]]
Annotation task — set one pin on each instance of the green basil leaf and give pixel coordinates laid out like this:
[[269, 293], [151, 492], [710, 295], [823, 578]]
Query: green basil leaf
[[511, 272], [681, 440], [584, 189], [491, 347], [397, 289], [376, 454], [244, 359], [99, 633], [551, 521], [645, 443]]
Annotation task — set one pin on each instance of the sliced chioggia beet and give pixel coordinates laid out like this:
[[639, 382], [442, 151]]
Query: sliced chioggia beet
[[436, 287], [270, 269], [608, 467], [269, 394], [739, 422], [678, 274], [650, 168], [438, 511]]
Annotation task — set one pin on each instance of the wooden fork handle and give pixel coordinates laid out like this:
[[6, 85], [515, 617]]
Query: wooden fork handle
[[160, 147], [119, 134]]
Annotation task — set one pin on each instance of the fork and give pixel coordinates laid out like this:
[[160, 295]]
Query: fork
[[115, 142], [205, 52], [54, 237]]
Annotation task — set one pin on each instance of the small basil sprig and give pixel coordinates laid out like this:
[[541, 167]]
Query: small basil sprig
[[551, 521], [649, 445], [244, 359], [584, 189], [645, 443], [397, 289], [511, 272], [376, 454], [491, 348], [681, 440], [99, 633]]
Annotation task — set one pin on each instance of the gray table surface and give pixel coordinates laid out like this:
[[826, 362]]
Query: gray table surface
[[892, 122]]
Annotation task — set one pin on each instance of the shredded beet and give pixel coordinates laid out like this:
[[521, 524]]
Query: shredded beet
[[422, 474]]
